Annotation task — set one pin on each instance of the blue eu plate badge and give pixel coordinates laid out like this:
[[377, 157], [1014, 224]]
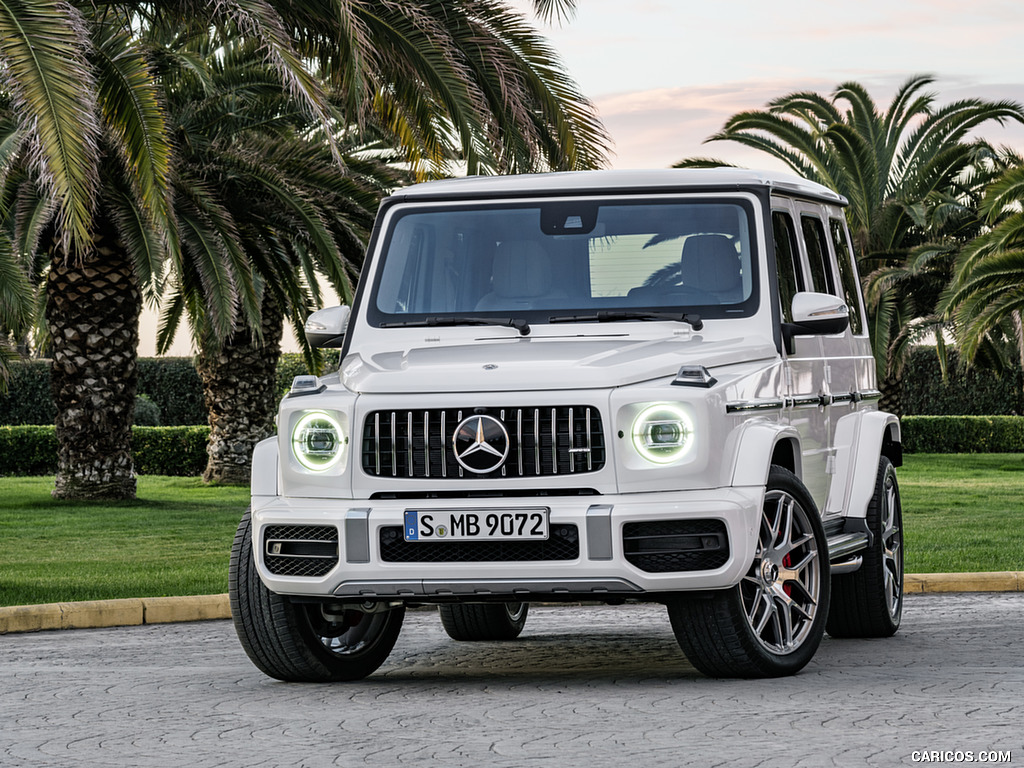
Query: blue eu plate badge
[[412, 527]]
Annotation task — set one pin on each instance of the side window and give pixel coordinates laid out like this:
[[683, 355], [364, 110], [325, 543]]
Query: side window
[[847, 274], [791, 278], [817, 254]]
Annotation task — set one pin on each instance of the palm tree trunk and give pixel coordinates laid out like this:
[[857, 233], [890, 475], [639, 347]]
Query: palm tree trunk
[[891, 388], [92, 310], [239, 385]]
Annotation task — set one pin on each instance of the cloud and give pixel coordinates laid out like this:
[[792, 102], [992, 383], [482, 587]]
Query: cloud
[[658, 127]]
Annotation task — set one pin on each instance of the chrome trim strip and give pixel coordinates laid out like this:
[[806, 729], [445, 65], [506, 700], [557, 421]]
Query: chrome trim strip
[[871, 394], [519, 438], [590, 462], [742, 406], [572, 442], [426, 441], [376, 440], [409, 441], [444, 458], [554, 441], [394, 446], [536, 438], [804, 401]]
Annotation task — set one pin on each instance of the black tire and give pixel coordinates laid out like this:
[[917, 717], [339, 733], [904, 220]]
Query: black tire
[[489, 621], [295, 641], [771, 623], [869, 601]]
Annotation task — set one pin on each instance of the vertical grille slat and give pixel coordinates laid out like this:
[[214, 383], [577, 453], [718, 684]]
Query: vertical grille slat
[[543, 442]]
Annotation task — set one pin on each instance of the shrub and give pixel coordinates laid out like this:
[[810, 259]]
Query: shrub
[[147, 413], [180, 451], [28, 399], [963, 434], [28, 450], [976, 391], [173, 384]]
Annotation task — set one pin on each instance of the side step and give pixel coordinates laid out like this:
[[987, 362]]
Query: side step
[[843, 549]]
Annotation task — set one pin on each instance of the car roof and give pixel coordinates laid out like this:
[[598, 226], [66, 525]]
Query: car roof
[[589, 182]]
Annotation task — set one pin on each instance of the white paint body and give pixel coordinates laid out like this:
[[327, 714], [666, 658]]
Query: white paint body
[[819, 399]]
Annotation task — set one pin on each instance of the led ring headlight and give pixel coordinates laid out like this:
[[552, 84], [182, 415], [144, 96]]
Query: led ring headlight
[[318, 441], [662, 433]]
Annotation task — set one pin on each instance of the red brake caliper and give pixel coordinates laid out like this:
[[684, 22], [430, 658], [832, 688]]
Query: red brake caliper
[[787, 561]]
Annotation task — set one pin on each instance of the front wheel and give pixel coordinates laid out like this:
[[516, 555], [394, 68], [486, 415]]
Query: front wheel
[[771, 623], [489, 621], [304, 642]]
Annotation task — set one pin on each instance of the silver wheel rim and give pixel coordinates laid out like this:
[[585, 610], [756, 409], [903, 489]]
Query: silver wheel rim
[[780, 591], [354, 634], [892, 546], [515, 611]]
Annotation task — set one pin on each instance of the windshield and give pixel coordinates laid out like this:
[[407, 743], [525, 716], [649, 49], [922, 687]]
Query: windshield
[[549, 260]]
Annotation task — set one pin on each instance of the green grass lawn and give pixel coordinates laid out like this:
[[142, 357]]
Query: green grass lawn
[[173, 540], [962, 513]]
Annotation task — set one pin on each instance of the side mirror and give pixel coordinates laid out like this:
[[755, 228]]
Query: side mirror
[[815, 314], [326, 328]]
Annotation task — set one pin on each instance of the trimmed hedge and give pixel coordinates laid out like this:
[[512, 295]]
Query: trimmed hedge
[[180, 451], [28, 450], [975, 392], [963, 434], [171, 383]]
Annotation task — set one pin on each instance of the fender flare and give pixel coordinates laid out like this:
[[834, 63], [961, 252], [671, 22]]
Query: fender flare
[[265, 480], [860, 439], [757, 441]]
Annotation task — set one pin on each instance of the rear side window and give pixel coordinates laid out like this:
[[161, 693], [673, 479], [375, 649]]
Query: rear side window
[[817, 254], [791, 278], [847, 274]]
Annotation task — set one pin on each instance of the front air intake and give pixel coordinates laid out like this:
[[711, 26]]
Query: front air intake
[[300, 550], [676, 545]]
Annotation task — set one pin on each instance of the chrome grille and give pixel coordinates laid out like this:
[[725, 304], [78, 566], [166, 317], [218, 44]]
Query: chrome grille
[[543, 441]]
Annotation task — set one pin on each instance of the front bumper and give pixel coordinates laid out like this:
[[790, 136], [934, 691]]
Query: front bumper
[[601, 567]]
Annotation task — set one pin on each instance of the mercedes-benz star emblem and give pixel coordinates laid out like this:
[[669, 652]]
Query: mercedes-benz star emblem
[[481, 444]]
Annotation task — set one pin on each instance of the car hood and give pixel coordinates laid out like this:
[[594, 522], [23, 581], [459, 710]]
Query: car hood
[[542, 363]]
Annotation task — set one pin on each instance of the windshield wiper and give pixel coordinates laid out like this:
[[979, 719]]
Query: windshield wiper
[[507, 322], [610, 316]]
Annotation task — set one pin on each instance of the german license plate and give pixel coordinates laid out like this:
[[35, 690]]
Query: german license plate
[[476, 525]]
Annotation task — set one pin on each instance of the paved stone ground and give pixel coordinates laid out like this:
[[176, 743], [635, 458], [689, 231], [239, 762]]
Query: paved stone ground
[[584, 686]]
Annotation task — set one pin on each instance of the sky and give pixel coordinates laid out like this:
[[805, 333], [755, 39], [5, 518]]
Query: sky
[[665, 75]]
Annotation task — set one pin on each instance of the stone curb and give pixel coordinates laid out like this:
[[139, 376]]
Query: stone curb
[[128, 612]]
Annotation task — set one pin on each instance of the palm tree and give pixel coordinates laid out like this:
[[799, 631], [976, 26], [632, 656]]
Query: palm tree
[[910, 175], [261, 208], [986, 296], [86, 97]]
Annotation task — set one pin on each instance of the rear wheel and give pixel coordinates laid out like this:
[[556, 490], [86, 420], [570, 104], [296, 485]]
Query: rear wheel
[[771, 623], [304, 642], [869, 601], [489, 621]]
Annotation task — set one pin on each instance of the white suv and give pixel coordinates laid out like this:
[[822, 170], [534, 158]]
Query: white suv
[[611, 386]]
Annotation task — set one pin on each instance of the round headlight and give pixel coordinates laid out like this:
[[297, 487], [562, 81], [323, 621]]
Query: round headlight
[[662, 433], [318, 441]]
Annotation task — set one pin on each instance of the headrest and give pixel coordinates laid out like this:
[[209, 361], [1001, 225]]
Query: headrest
[[710, 263], [522, 270]]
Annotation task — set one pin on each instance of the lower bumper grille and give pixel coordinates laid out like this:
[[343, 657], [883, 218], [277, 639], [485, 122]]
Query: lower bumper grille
[[676, 545], [564, 544], [300, 550]]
